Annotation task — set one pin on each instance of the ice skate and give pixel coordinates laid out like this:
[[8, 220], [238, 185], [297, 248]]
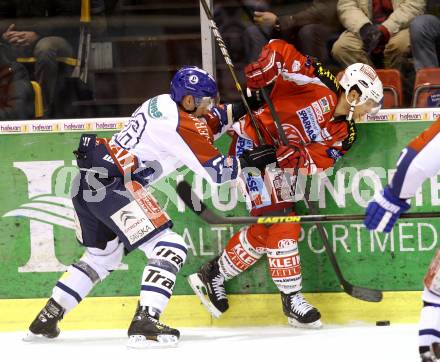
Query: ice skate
[[208, 285], [430, 354], [299, 312], [146, 331], [46, 322], [428, 357]]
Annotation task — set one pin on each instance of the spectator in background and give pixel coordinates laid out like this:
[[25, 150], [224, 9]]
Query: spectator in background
[[425, 35], [243, 38], [312, 30], [376, 31], [425, 44], [44, 29], [16, 94]]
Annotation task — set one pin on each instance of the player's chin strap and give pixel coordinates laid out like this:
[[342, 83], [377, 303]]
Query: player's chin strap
[[351, 110]]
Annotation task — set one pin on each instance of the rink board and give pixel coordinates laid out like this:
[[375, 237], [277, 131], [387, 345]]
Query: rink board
[[245, 310], [38, 242]]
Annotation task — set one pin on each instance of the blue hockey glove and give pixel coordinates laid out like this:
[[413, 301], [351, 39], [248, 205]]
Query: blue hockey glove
[[384, 210]]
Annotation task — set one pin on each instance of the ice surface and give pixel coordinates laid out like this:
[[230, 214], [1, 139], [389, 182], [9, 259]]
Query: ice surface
[[395, 343]]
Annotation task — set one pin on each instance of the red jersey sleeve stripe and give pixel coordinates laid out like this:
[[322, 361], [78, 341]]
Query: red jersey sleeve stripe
[[425, 137], [198, 137]]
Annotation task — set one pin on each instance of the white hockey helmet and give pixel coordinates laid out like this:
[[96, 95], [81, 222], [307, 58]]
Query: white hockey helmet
[[366, 81]]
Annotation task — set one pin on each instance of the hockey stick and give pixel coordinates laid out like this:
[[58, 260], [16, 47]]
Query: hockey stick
[[275, 118], [190, 199], [369, 295], [230, 65]]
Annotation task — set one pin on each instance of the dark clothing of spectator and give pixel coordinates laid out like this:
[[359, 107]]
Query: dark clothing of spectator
[[46, 30], [425, 39], [425, 44], [321, 12], [44, 17], [312, 30], [16, 94], [243, 38]]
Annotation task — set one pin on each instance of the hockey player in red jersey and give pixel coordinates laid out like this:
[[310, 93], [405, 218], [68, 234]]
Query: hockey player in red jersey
[[318, 117], [166, 132], [417, 162]]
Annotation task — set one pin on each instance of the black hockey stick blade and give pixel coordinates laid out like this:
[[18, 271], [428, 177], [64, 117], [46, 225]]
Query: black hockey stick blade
[[362, 293]]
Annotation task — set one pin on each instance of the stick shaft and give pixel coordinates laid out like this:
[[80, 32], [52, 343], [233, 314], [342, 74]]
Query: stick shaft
[[230, 65], [190, 199], [275, 117]]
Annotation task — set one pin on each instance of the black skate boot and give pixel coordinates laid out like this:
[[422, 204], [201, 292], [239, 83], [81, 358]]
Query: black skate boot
[[145, 331], [428, 357], [428, 354], [208, 284], [46, 322], [299, 312]]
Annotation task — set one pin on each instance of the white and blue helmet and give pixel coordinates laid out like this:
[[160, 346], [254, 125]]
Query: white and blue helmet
[[194, 81]]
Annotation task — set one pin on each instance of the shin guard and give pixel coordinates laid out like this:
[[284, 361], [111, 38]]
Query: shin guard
[[432, 277], [429, 325], [283, 257], [243, 250], [166, 257], [79, 279]]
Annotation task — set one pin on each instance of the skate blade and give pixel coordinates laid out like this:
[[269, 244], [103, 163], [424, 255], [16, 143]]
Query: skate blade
[[314, 325], [31, 337], [163, 341], [200, 290]]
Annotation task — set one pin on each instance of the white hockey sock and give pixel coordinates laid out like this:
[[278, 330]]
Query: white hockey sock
[[238, 256], [285, 268], [166, 254], [429, 326], [79, 279], [74, 285], [157, 287]]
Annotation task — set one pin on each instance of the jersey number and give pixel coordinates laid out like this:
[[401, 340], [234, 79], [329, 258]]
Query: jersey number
[[132, 132]]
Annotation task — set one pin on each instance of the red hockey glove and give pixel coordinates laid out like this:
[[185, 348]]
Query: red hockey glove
[[264, 71], [289, 158]]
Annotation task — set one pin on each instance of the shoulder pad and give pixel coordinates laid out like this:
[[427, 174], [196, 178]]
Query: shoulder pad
[[327, 77], [161, 107]]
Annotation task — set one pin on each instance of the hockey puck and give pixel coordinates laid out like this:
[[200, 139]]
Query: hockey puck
[[383, 323]]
